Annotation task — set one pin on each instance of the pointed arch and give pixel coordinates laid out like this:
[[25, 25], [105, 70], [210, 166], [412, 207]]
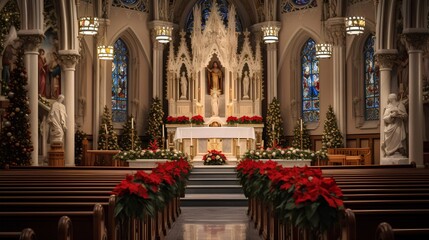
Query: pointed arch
[[371, 81], [310, 105], [120, 81]]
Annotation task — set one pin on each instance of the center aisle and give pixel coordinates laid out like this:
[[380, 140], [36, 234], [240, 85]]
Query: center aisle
[[213, 223]]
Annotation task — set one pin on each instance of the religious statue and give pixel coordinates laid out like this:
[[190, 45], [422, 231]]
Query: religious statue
[[55, 76], [9, 57], [57, 120], [42, 68], [183, 85], [394, 130], [215, 78], [246, 83], [215, 102]]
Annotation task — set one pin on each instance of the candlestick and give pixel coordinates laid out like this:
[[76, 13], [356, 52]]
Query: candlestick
[[105, 127], [272, 127], [300, 123], [163, 131], [132, 123]]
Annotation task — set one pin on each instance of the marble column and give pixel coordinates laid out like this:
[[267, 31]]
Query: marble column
[[31, 44], [416, 42], [386, 59], [337, 34], [69, 58], [271, 71], [157, 70]]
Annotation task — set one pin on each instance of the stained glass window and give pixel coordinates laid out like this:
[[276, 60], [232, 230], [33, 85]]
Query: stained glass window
[[371, 74], [310, 82], [295, 5], [120, 81], [223, 6]]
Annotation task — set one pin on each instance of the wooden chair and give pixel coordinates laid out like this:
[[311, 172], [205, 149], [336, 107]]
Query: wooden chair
[[336, 159]]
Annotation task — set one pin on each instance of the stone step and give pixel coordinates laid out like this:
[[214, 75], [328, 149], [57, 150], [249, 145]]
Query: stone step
[[218, 175], [213, 181], [212, 200], [213, 189], [222, 168]]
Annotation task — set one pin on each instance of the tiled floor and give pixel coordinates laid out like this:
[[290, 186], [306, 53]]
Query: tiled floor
[[213, 223]]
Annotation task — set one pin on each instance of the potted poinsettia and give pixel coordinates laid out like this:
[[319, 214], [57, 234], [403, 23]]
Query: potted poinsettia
[[231, 120], [197, 120], [214, 157]]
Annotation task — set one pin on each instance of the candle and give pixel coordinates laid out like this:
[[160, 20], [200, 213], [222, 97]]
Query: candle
[[132, 123], [300, 123], [105, 127], [163, 131], [272, 127]]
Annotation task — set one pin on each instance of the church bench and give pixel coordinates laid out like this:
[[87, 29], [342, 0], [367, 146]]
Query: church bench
[[86, 224], [386, 232], [387, 204], [364, 153], [25, 234]]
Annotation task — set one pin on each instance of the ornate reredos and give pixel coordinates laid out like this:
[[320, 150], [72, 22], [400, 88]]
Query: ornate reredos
[[220, 42]]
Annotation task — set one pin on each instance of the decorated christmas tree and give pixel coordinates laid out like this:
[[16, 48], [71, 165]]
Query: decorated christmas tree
[[274, 120], [107, 139], [15, 137], [79, 136], [129, 138], [331, 137], [296, 142], [156, 116]]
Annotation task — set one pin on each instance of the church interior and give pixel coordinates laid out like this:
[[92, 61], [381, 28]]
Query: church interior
[[237, 96]]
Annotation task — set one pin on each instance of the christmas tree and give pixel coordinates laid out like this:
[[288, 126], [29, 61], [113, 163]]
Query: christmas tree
[[107, 139], [129, 139], [156, 116], [15, 137], [78, 151], [274, 120], [296, 142], [331, 137]]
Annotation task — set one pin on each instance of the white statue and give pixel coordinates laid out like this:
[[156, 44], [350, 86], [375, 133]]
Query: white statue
[[394, 131], [246, 83], [57, 120], [215, 102], [183, 85]]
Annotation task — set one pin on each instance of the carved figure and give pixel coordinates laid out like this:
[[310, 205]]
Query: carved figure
[[183, 85], [215, 102], [215, 78], [394, 131], [246, 83], [57, 120], [42, 68]]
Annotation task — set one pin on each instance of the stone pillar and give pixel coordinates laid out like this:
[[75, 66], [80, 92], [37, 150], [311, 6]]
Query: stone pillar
[[157, 70], [416, 42], [271, 71], [31, 43], [337, 34], [386, 58], [69, 58]]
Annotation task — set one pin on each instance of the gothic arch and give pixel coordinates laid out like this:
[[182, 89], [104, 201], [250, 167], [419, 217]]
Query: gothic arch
[[386, 19]]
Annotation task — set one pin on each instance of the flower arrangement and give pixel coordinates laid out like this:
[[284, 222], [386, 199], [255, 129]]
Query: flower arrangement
[[280, 153], [178, 120], [214, 157], [197, 120], [301, 196], [143, 194], [250, 120], [231, 120], [150, 154]]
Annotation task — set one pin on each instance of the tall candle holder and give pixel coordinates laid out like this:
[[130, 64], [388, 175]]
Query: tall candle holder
[[132, 139], [191, 149]]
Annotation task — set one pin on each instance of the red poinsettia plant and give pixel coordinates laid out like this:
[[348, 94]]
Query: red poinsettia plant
[[250, 120], [214, 157], [231, 120], [177, 120], [145, 193], [198, 120], [300, 195]]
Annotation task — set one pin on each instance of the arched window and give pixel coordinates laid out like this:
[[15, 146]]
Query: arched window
[[120, 81], [371, 85], [223, 6], [310, 82]]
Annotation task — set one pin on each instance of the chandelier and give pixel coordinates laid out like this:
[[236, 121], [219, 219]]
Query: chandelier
[[323, 50], [88, 25], [355, 25], [163, 33], [270, 33], [105, 52]]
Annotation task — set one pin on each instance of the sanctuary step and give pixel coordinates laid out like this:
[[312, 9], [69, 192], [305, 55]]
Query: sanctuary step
[[213, 186]]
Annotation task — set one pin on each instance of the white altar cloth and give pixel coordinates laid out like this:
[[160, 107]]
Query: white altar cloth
[[214, 132]]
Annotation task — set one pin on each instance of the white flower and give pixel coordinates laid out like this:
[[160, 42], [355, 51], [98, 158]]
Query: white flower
[[125, 153], [282, 152], [312, 154], [274, 154], [158, 150], [310, 178], [294, 151], [217, 157], [257, 153], [301, 155]]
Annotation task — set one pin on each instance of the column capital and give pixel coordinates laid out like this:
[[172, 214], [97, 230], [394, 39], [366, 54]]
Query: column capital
[[336, 31], [68, 59], [31, 42], [386, 59], [416, 39]]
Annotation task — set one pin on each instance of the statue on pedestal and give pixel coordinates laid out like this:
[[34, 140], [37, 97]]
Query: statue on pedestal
[[215, 78], [246, 83], [395, 134], [57, 121], [183, 86], [215, 102]]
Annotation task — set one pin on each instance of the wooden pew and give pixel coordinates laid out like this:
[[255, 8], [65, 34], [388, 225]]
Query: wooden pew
[[87, 224], [386, 232], [25, 234], [363, 153]]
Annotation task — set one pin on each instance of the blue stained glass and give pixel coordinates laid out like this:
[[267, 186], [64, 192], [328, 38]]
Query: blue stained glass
[[301, 2], [310, 82], [371, 84], [120, 82], [206, 5]]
